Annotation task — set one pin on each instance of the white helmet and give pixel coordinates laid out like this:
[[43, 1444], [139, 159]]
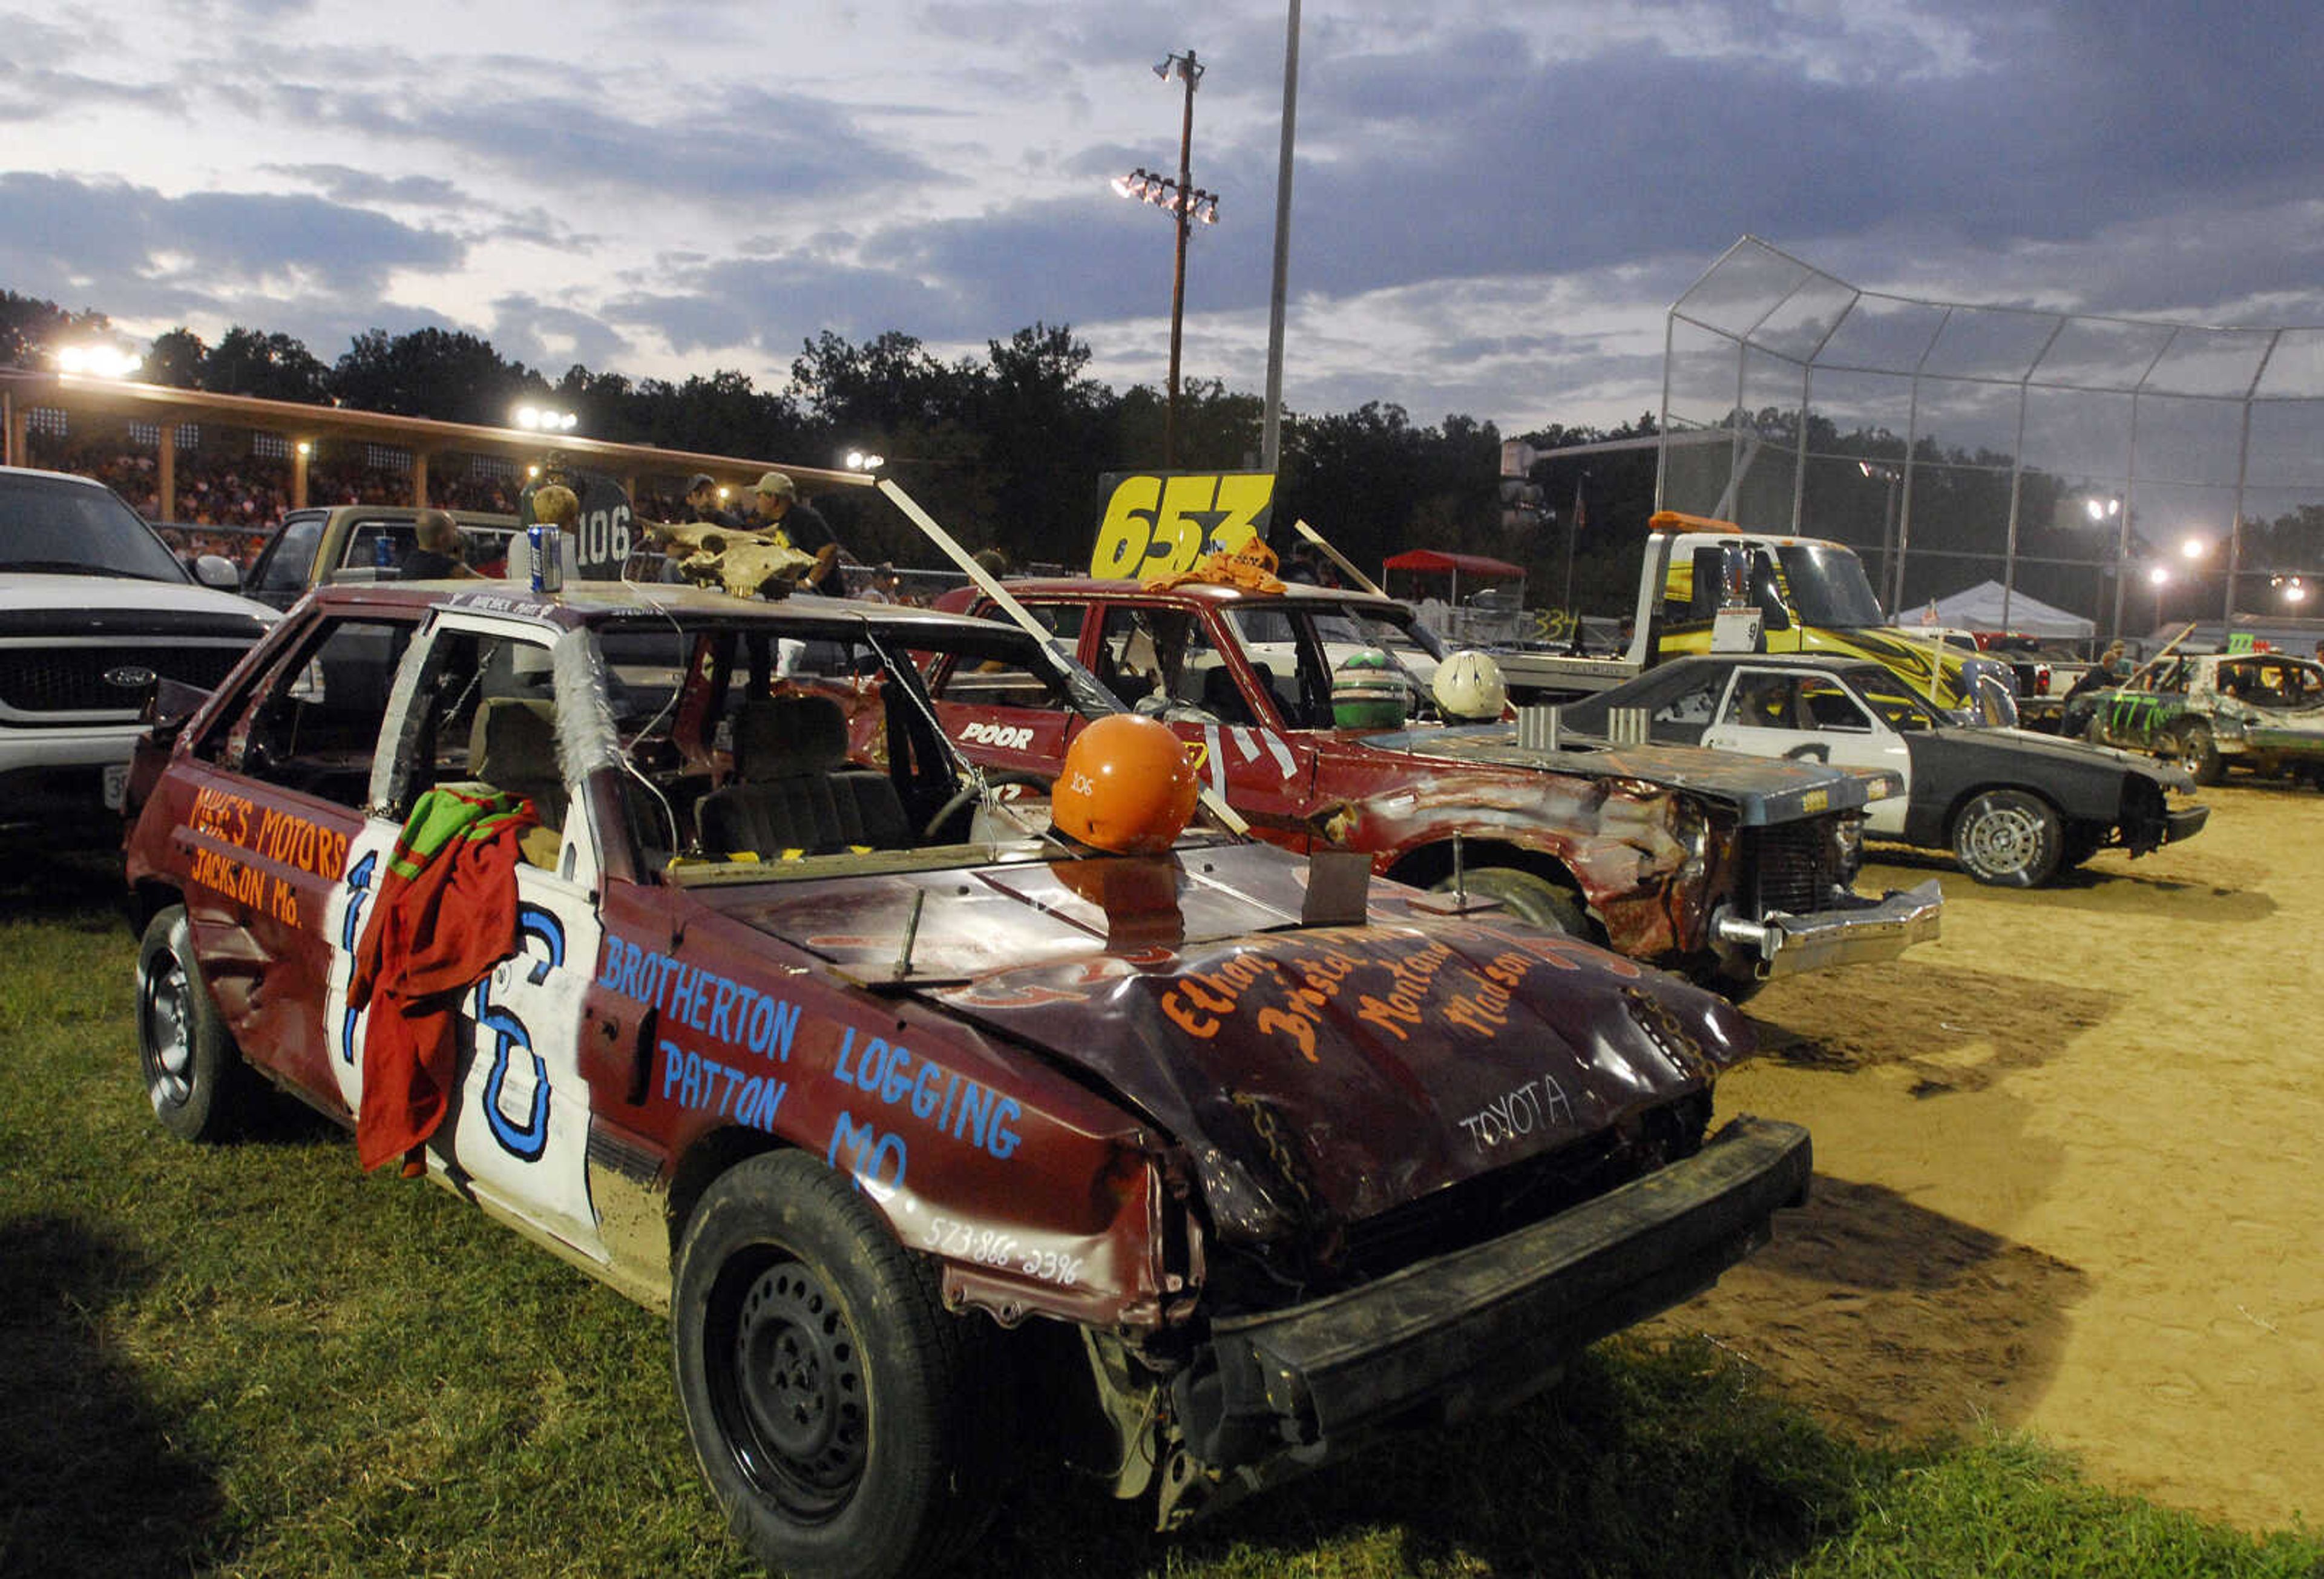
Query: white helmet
[[1469, 684]]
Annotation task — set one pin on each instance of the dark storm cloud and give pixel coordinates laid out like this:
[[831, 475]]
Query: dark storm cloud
[[140, 252], [1477, 157]]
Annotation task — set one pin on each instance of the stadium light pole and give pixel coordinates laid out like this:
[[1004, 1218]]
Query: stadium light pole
[[1270, 443], [1181, 200], [1892, 477]]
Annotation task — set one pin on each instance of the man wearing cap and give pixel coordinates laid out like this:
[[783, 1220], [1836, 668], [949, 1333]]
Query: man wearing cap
[[702, 508], [702, 502], [799, 526]]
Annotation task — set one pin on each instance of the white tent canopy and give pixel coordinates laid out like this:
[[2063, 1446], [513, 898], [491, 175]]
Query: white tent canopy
[[1978, 608]]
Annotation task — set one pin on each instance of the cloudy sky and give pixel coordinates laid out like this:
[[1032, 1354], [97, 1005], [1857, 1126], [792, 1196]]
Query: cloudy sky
[[1493, 203]]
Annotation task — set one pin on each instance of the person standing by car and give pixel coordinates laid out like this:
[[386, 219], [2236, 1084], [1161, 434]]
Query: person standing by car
[[796, 525], [437, 551], [2110, 670], [702, 504]]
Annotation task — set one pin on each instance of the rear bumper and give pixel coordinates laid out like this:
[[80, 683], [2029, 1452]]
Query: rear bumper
[[1785, 945], [1486, 1327]]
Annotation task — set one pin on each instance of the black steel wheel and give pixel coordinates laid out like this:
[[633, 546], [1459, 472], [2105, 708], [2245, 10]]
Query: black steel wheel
[[194, 1074], [2008, 838], [826, 1391]]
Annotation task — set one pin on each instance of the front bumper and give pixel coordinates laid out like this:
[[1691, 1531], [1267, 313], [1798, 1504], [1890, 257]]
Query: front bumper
[[1783, 943], [1486, 1327], [2184, 823]]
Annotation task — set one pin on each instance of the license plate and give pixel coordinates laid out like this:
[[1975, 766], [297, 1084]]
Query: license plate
[[116, 785]]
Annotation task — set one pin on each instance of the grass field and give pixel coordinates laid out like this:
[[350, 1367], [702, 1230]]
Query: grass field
[[253, 1360]]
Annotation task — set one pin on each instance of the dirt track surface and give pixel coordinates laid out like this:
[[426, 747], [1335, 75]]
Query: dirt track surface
[[2069, 1172]]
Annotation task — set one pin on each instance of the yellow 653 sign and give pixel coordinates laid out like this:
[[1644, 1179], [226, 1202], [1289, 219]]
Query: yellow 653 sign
[[1159, 523]]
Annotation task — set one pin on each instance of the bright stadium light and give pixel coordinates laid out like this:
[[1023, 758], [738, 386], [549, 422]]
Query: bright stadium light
[[859, 460], [2194, 548], [96, 360], [2160, 575], [546, 420]]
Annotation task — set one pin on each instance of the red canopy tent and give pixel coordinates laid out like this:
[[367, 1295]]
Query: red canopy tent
[[1436, 562]]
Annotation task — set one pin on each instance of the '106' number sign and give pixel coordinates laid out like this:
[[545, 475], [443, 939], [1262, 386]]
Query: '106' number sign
[[1159, 523]]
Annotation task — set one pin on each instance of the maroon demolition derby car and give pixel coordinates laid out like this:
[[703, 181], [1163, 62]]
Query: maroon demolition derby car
[[1729, 869], [946, 1139]]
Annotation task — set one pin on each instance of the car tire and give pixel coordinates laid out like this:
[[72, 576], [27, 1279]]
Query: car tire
[[1529, 897], [828, 1394], [2008, 838], [2190, 746], [194, 1074]]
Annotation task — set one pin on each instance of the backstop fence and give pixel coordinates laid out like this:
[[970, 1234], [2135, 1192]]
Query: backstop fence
[[2090, 462]]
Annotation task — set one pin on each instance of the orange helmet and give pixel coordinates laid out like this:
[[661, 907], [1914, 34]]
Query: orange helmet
[[1126, 787]]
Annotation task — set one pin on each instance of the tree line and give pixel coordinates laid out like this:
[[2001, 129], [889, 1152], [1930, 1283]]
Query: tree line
[[1008, 448]]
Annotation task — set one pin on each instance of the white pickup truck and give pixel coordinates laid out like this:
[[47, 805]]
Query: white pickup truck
[[94, 608]]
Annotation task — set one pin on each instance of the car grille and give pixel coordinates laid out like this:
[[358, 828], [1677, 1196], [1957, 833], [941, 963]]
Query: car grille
[[1796, 867], [71, 680], [1461, 1215]]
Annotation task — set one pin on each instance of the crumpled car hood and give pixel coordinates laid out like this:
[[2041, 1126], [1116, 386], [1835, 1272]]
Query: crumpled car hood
[[2004, 743], [1761, 790], [1315, 1074]]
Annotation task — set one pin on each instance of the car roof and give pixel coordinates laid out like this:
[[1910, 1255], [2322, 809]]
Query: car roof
[[1294, 593], [1829, 662], [73, 477], [407, 513], [599, 603]]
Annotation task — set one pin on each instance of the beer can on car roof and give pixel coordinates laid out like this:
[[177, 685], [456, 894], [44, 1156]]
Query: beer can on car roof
[[548, 559]]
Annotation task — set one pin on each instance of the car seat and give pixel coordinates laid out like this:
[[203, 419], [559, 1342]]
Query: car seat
[[1222, 698], [792, 788], [512, 747]]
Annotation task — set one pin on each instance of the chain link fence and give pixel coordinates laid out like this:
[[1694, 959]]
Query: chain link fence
[[2130, 471]]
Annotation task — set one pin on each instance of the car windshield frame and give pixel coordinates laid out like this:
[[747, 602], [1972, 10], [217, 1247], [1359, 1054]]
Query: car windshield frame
[[1827, 586], [1890, 700], [71, 528]]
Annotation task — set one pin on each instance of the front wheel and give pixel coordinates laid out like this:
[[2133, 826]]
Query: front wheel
[[194, 1074], [826, 1391], [2191, 747], [2008, 838], [1527, 897]]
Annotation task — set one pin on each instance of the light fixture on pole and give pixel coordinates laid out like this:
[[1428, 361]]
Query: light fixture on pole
[[1889, 572], [546, 420], [1184, 202]]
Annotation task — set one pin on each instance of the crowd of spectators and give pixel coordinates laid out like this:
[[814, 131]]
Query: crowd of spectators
[[228, 503]]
